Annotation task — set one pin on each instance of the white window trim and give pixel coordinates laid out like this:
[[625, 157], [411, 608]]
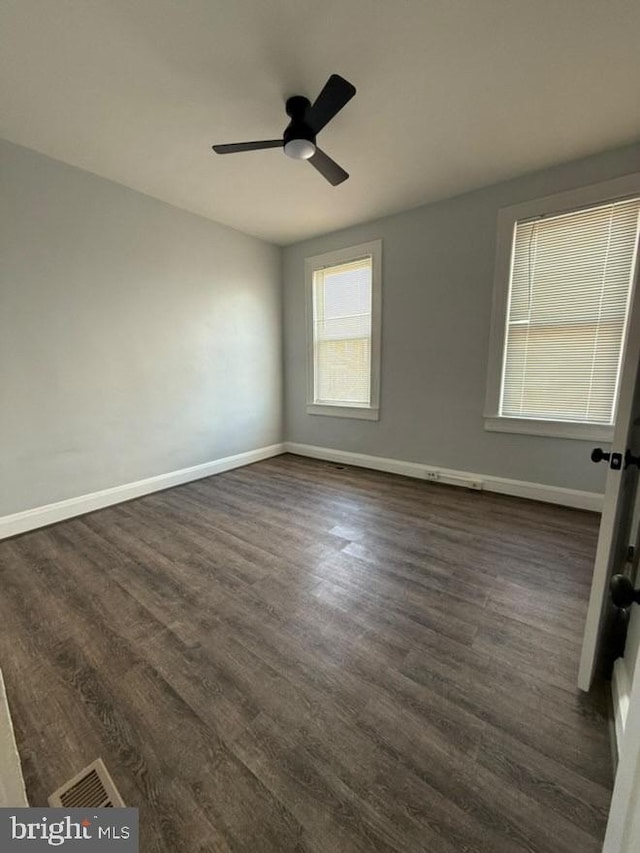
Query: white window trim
[[618, 188], [553, 429], [330, 259]]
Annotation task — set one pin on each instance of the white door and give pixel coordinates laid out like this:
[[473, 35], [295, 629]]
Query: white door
[[619, 496], [620, 527]]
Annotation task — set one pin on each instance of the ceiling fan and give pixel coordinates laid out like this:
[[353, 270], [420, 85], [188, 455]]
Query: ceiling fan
[[307, 120]]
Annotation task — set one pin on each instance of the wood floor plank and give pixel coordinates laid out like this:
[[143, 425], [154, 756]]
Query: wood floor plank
[[302, 656]]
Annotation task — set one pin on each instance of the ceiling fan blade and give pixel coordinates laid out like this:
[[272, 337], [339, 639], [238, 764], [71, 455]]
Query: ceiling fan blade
[[336, 93], [235, 147], [328, 168]]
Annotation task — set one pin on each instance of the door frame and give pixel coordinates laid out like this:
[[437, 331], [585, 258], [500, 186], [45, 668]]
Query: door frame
[[623, 827]]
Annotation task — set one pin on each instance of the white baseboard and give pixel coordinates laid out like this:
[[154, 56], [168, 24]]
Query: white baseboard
[[518, 488], [21, 522], [620, 694], [31, 519]]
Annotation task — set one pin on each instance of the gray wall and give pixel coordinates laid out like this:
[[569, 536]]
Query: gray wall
[[135, 339], [437, 291]]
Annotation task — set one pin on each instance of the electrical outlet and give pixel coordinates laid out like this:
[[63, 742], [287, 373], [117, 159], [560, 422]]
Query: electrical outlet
[[432, 475]]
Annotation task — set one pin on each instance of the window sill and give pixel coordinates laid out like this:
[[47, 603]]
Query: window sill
[[553, 429], [364, 413]]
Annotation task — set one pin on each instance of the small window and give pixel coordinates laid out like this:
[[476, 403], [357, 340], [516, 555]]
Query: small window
[[344, 334], [564, 322]]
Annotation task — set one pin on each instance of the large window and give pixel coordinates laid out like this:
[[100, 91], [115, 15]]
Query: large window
[[344, 336], [564, 319]]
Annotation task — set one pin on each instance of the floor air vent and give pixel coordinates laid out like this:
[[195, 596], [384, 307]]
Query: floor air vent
[[91, 788]]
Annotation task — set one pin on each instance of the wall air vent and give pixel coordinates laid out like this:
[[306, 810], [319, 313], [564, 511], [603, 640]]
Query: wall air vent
[[91, 788], [452, 478]]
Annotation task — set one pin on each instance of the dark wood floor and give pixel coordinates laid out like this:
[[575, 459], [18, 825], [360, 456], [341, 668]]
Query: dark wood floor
[[299, 656]]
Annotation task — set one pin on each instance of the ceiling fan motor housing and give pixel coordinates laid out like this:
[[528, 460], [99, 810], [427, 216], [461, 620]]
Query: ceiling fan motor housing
[[299, 139]]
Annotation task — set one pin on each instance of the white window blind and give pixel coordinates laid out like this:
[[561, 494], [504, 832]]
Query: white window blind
[[342, 302], [569, 289]]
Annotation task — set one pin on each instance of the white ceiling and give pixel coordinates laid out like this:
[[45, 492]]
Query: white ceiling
[[452, 95]]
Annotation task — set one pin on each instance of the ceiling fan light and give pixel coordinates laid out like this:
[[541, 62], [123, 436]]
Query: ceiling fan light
[[299, 149]]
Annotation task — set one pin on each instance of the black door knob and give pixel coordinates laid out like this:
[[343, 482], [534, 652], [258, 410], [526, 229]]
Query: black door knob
[[614, 459], [623, 594], [630, 459]]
